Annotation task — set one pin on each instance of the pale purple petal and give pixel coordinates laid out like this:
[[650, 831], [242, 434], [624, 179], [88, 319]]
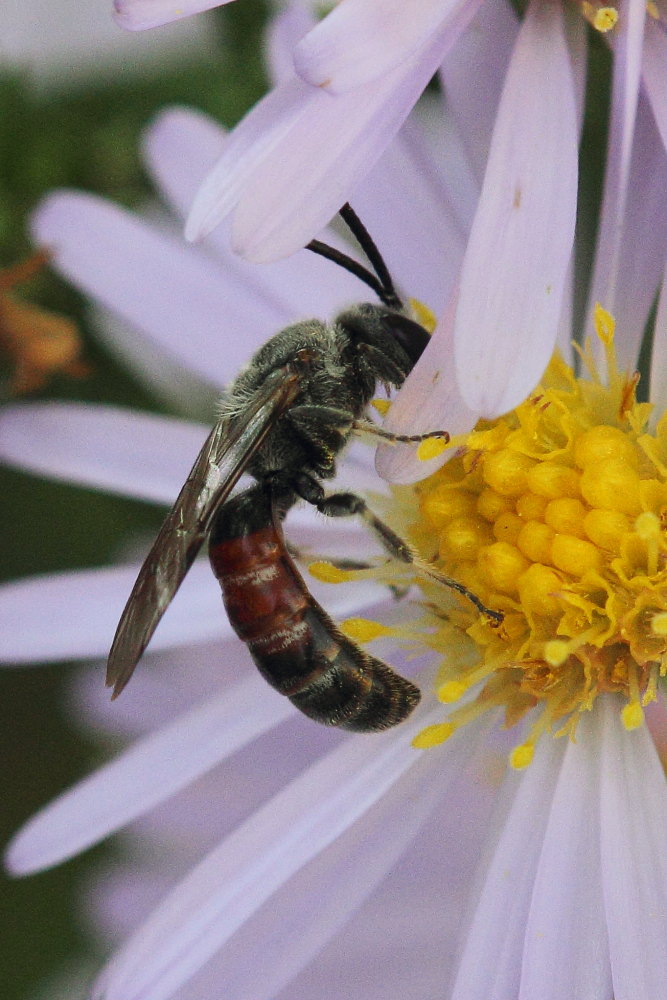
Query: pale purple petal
[[519, 249], [257, 135], [135, 15], [404, 203], [235, 880], [643, 248], [473, 97], [490, 964], [176, 680], [428, 401], [628, 45], [363, 39], [175, 295], [286, 28], [135, 454], [283, 937], [654, 70], [404, 935], [658, 376], [146, 774], [566, 951], [180, 148], [74, 615], [633, 812], [331, 145], [293, 160], [577, 43]]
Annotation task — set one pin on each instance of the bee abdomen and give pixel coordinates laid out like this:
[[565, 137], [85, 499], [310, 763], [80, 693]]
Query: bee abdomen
[[293, 642]]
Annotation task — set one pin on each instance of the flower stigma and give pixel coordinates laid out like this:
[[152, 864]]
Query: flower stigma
[[554, 515]]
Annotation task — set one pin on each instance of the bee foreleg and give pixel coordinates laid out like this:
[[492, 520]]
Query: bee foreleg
[[373, 430]]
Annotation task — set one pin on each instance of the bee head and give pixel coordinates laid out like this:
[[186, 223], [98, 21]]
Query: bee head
[[408, 334]]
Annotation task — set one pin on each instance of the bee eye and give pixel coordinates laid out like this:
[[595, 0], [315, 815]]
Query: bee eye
[[409, 335]]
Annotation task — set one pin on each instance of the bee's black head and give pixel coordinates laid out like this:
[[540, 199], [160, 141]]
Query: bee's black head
[[409, 335], [386, 345]]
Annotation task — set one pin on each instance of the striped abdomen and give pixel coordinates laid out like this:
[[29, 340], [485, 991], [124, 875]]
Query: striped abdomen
[[294, 643]]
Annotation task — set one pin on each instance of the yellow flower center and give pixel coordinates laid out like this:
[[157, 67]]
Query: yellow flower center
[[555, 515]]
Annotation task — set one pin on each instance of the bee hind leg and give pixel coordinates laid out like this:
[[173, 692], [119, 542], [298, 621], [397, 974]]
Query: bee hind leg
[[349, 504]]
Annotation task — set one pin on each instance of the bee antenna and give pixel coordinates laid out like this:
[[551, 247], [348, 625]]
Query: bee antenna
[[353, 266], [367, 244], [380, 282]]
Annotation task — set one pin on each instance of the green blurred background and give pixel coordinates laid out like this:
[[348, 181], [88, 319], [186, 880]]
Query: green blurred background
[[74, 120]]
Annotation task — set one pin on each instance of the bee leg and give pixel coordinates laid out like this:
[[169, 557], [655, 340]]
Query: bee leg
[[310, 418], [349, 504], [373, 430]]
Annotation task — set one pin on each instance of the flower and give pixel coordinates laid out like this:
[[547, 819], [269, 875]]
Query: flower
[[562, 864]]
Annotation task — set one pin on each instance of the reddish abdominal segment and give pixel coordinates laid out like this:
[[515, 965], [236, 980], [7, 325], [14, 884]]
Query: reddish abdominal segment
[[294, 643]]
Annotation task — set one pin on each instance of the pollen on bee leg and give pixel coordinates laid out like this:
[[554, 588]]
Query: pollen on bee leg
[[431, 448], [381, 405]]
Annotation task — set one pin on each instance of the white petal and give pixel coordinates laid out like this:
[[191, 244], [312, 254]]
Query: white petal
[[135, 454], [180, 148], [473, 97], [643, 248], [74, 615], [490, 966], [429, 400], [517, 258], [282, 938], [628, 44], [330, 145], [566, 952], [175, 295], [363, 39], [146, 774], [658, 377], [404, 204], [256, 860], [653, 69], [253, 138], [286, 28], [135, 15], [633, 812]]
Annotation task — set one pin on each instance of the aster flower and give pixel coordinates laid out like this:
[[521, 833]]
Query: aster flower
[[554, 515]]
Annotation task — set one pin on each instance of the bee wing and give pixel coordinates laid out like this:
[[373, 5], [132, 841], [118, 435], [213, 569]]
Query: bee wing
[[218, 467]]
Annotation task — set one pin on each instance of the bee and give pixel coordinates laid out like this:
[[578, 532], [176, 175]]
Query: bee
[[285, 420]]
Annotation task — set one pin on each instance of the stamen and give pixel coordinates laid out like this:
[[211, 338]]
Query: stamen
[[364, 629], [603, 19], [433, 736]]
